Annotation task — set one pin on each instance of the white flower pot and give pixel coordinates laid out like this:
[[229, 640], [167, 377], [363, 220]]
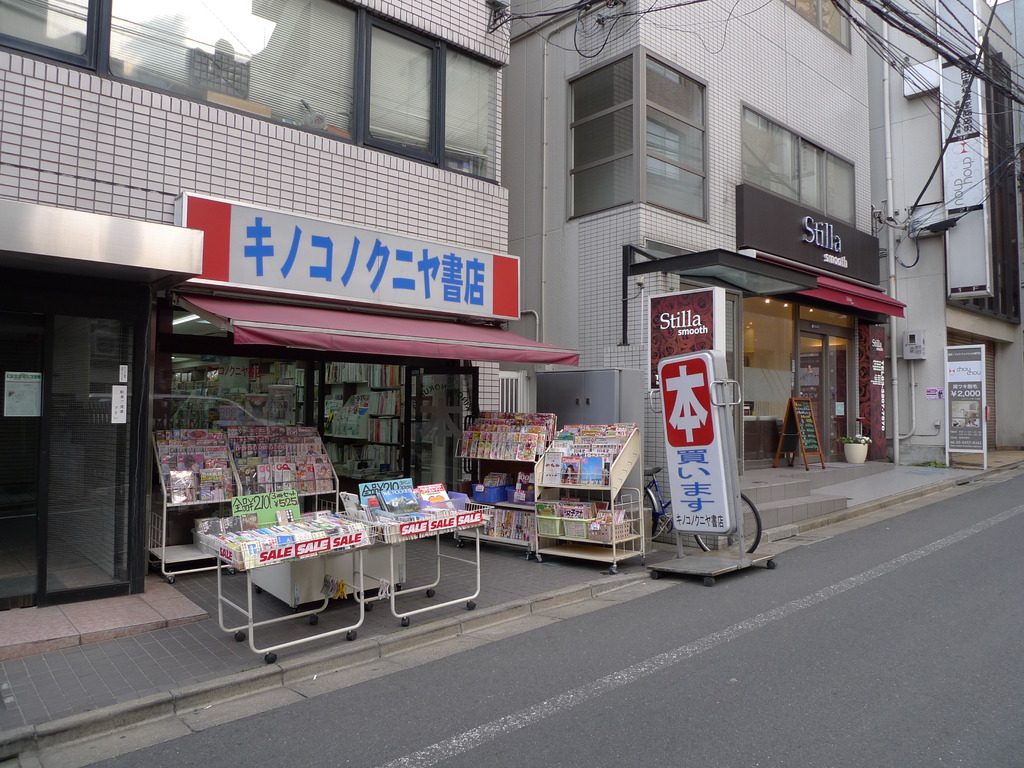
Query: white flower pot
[[856, 453]]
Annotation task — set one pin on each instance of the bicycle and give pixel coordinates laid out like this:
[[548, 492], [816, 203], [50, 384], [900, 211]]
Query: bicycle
[[661, 516]]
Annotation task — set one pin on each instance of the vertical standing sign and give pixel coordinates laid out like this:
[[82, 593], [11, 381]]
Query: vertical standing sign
[[683, 322], [700, 460], [965, 400]]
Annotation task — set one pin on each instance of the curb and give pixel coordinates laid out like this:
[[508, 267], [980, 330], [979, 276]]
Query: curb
[[177, 701]]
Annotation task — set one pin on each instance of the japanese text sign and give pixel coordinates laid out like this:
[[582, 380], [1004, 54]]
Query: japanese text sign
[[694, 446], [965, 402], [285, 252], [267, 505]]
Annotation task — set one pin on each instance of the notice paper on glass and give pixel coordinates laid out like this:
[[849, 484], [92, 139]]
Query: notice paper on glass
[[22, 393]]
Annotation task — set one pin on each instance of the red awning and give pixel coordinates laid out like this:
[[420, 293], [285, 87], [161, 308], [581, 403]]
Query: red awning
[[852, 295], [259, 322]]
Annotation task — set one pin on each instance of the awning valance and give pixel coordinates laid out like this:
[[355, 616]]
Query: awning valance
[[340, 330]]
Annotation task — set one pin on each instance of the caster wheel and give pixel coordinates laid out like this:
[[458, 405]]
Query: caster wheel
[[170, 579], [314, 620], [405, 621], [771, 565], [239, 636], [655, 575], [460, 544], [258, 590], [709, 581], [368, 607], [470, 605], [398, 587], [350, 635], [538, 558], [232, 571], [431, 593], [270, 658], [613, 570]]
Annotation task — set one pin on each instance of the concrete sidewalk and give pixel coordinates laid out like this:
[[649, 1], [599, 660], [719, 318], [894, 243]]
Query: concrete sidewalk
[[173, 655]]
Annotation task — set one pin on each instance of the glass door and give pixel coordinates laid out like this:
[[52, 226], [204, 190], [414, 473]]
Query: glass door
[[439, 403], [21, 357], [823, 379]]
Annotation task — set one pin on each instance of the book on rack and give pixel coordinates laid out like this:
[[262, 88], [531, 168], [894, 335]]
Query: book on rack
[[551, 468], [399, 501], [570, 470], [434, 495], [592, 470]]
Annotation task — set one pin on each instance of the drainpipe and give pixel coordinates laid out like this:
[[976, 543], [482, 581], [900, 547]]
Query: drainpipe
[[894, 424]]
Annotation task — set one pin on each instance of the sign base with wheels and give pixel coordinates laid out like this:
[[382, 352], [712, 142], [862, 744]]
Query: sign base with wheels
[[709, 565]]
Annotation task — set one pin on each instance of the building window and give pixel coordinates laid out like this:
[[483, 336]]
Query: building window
[[41, 26], [605, 139], [315, 64], [826, 16], [785, 164]]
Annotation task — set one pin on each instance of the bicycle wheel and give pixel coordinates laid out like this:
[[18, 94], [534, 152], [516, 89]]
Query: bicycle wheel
[[751, 528], [660, 523]]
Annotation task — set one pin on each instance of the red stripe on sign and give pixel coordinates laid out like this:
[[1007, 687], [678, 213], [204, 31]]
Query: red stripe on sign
[[214, 219], [505, 299]]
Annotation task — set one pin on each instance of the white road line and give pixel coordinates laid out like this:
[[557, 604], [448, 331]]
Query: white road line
[[476, 737]]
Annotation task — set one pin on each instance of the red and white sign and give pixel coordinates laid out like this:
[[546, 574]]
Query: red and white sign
[[441, 524], [311, 548], [694, 449], [288, 253]]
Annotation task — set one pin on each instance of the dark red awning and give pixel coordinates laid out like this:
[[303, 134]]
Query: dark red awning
[[339, 330], [852, 295]]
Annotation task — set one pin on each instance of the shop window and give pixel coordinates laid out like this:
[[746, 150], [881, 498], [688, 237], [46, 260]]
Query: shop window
[[315, 64], [672, 140], [789, 166]]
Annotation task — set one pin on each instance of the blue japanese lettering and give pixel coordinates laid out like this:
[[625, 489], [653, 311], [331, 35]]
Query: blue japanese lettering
[[380, 252], [319, 241], [260, 250]]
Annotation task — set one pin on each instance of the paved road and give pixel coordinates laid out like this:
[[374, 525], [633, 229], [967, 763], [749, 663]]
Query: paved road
[[890, 644]]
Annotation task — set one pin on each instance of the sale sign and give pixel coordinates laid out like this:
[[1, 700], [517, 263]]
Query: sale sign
[[430, 525], [697, 461]]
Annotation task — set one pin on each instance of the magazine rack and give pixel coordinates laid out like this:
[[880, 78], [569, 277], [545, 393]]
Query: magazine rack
[[516, 442], [223, 456], [350, 538], [613, 534], [184, 489]]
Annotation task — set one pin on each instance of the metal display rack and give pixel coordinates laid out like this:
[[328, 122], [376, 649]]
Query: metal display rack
[[472, 518], [350, 537], [590, 538]]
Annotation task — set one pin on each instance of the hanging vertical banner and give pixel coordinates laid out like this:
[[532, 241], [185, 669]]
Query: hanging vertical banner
[[699, 459], [871, 386], [685, 321], [961, 102], [965, 399]]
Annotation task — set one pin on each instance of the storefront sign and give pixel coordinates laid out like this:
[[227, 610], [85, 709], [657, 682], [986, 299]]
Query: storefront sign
[[697, 461], [284, 252], [22, 393], [965, 409], [786, 229], [684, 322], [871, 387]]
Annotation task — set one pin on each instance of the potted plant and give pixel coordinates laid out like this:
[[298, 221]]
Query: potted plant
[[855, 448]]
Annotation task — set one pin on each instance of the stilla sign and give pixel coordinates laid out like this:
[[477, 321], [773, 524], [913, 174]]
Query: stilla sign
[[684, 322], [699, 456]]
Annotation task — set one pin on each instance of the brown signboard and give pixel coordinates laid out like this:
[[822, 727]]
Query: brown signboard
[[792, 231]]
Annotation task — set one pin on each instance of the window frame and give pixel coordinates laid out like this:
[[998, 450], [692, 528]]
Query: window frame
[[641, 106], [819, 21], [96, 58], [822, 180]]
